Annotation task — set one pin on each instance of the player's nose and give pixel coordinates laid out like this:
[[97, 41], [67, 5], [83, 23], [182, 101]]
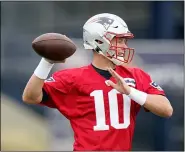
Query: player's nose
[[123, 44]]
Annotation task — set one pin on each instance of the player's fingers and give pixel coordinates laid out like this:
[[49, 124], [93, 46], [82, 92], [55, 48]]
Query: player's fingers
[[110, 83], [118, 78], [114, 74]]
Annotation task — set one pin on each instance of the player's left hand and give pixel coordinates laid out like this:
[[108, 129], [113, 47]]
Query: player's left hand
[[120, 85]]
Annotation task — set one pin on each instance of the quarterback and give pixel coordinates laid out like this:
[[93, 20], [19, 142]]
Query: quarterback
[[101, 100]]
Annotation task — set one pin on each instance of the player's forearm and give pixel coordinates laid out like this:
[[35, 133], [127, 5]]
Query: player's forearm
[[158, 105], [33, 90]]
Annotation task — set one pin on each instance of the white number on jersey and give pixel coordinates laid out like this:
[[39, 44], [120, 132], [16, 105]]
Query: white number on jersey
[[114, 115]]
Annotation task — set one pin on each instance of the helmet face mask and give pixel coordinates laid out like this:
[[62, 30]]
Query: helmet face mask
[[122, 54], [100, 30]]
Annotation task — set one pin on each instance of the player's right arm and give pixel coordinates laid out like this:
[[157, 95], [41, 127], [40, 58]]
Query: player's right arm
[[33, 92]]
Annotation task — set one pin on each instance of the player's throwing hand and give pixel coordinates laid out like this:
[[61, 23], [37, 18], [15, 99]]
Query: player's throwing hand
[[121, 85]]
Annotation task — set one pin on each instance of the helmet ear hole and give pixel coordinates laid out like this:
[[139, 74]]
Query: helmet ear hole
[[99, 42]]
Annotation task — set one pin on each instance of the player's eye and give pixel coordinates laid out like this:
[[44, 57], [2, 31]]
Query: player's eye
[[122, 40]]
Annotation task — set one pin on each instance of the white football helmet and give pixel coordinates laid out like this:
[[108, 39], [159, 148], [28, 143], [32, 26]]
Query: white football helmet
[[98, 32]]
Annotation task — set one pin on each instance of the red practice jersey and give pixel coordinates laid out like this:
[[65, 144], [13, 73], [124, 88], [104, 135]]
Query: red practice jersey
[[101, 117]]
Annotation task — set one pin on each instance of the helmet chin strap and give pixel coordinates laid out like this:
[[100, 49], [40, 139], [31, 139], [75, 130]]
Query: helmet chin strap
[[114, 60]]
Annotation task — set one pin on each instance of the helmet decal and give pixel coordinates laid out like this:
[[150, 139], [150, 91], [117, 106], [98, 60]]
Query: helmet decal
[[105, 21]]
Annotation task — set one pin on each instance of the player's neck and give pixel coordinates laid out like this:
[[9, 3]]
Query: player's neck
[[101, 62]]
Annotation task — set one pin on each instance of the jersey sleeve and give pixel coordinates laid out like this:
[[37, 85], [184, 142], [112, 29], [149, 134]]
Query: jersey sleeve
[[56, 89], [150, 86]]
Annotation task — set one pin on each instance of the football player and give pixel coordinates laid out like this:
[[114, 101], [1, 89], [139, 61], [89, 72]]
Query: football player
[[101, 100]]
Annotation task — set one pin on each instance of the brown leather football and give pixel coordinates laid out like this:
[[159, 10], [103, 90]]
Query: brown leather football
[[54, 46]]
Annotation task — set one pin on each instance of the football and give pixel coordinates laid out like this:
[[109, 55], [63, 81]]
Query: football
[[54, 46]]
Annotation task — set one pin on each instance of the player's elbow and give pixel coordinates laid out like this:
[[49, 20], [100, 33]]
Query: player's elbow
[[25, 99], [169, 111], [28, 100]]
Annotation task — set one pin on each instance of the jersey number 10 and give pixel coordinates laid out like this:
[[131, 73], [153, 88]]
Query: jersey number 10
[[113, 104]]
